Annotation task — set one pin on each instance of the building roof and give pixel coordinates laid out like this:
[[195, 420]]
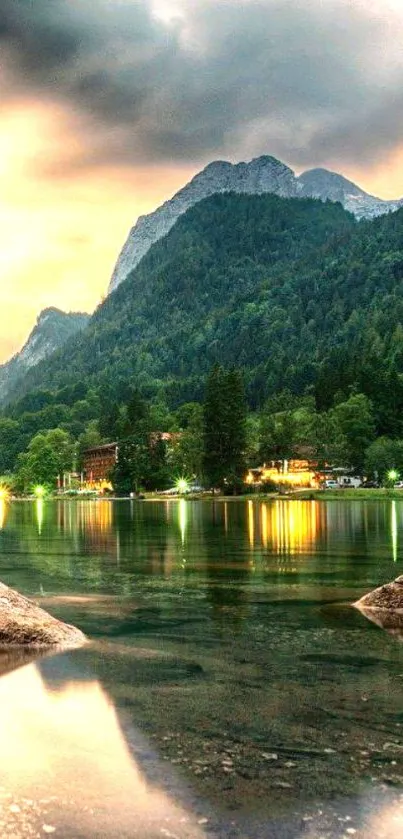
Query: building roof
[[102, 446]]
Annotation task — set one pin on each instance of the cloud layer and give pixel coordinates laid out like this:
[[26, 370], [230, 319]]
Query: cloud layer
[[151, 83]]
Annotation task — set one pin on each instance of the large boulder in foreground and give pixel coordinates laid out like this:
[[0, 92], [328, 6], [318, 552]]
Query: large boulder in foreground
[[23, 624], [387, 597]]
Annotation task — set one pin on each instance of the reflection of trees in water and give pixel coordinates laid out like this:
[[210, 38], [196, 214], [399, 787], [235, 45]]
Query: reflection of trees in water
[[142, 535], [228, 564], [49, 542]]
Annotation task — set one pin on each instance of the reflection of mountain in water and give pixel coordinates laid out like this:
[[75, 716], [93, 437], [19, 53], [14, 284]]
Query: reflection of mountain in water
[[66, 764]]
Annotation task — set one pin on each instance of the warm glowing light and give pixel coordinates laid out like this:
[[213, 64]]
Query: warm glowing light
[[182, 518], [393, 475], [4, 493], [2, 513], [251, 524], [264, 525], [56, 226], [39, 491], [39, 514], [289, 527], [182, 485], [293, 473]]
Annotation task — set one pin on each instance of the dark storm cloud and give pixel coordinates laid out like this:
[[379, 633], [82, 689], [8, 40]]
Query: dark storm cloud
[[305, 80]]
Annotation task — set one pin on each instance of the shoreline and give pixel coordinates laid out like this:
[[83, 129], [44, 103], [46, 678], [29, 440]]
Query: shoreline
[[303, 494]]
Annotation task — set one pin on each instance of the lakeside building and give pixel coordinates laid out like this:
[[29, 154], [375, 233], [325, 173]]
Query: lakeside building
[[292, 473], [304, 474], [98, 462]]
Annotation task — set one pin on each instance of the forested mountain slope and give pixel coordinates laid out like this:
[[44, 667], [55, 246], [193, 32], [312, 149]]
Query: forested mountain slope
[[295, 292]]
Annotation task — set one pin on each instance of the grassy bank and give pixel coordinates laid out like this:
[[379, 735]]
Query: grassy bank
[[349, 494]]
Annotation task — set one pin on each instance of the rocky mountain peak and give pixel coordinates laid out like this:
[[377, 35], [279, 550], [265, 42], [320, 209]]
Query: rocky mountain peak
[[52, 329], [330, 186], [50, 311], [263, 174], [323, 184]]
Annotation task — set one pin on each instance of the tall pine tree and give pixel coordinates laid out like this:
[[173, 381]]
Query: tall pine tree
[[224, 432]]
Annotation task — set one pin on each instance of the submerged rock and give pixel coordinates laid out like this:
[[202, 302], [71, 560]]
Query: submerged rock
[[388, 619], [387, 597], [23, 624]]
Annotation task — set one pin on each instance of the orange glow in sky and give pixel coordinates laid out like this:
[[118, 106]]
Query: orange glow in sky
[[60, 236]]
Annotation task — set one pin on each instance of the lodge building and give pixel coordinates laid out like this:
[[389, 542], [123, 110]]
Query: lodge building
[[98, 463]]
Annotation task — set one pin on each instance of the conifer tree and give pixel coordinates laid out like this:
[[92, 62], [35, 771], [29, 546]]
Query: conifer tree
[[224, 435]]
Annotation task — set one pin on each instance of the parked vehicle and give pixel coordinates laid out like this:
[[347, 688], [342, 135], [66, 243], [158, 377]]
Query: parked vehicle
[[349, 481], [329, 484]]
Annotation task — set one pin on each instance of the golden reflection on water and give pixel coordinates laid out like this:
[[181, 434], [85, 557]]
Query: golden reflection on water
[[85, 515], [39, 514], [3, 508], [182, 518], [286, 527], [66, 746], [95, 515], [251, 524]]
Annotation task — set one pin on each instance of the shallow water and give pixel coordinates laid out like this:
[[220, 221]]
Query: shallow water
[[229, 689]]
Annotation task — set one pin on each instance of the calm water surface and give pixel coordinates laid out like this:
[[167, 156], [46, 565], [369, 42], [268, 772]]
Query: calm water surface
[[229, 689]]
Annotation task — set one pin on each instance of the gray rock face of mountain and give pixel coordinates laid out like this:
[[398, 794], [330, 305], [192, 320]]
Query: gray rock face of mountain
[[51, 331], [264, 174], [329, 186]]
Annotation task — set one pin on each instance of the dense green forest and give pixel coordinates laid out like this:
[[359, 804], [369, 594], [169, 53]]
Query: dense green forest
[[238, 277], [294, 292]]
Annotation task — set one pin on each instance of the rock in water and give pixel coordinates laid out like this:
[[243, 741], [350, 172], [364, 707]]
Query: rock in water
[[387, 597], [23, 624], [391, 620]]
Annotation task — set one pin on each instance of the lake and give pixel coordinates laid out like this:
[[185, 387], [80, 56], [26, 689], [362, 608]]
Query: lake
[[229, 688]]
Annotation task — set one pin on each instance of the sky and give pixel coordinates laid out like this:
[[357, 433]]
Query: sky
[[109, 106]]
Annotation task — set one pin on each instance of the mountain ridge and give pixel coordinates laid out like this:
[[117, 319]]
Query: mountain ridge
[[264, 174], [52, 329]]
